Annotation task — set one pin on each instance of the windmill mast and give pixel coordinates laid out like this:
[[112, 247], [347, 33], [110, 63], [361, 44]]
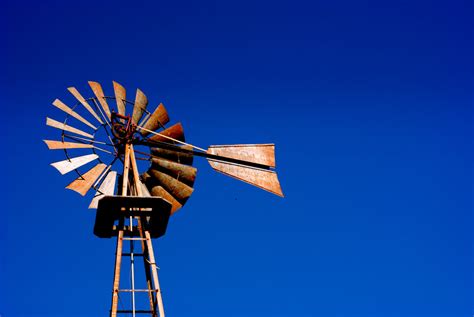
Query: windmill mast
[[138, 209], [131, 229]]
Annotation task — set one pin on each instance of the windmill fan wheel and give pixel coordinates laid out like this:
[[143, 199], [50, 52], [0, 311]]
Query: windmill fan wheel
[[98, 129]]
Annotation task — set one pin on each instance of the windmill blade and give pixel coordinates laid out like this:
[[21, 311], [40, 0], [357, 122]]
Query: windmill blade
[[139, 107], [99, 93], [157, 120], [175, 132], [264, 179], [60, 105], [179, 190], [183, 173], [145, 191], [183, 158], [71, 164], [263, 154], [81, 99], [60, 145], [161, 192], [62, 126], [107, 188], [84, 183], [120, 97]]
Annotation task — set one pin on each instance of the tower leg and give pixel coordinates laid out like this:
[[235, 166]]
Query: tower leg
[[118, 262], [154, 272], [151, 274], [151, 293]]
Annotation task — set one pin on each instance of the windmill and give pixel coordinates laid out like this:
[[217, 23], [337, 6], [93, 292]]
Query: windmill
[[113, 135]]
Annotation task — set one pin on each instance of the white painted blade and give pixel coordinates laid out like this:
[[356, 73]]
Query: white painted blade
[[86, 105], [69, 165], [61, 126], [107, 188], [60, 105], [60, 145]]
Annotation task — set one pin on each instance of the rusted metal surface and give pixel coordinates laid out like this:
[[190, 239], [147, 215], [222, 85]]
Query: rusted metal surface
[[263, 179], [60, 145], [81, 99], [161, 192], [183, 173], [140, 105], [69, 165], [99, 93], [157, 120], [84, 183], [61, 126], [175, 131], [120, 97], [183, 158], [106, 188], [257, 153], [178, 189], [60, 105]]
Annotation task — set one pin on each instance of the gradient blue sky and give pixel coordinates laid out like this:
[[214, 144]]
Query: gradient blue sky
[[369, 104]]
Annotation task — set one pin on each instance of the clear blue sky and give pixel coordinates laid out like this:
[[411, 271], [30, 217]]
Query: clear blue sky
[[369, 104]]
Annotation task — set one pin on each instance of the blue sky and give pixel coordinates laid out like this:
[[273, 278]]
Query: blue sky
[[369, 104]]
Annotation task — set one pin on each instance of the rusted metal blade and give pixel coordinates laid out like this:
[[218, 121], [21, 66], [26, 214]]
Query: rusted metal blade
[[264, 179], [157, 120], [256, 153], [178, 189], [61, 126], [183, 158], [86, 105], [175, 131], [60, 105], [139, 107], [60, 145], [71, 164], [84, 183], [183, 173], [161, 192], [120, 97], [99, 93], [107, 188]]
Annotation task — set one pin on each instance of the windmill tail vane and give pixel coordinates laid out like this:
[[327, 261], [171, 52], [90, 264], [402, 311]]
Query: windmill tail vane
[[133, 206]]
